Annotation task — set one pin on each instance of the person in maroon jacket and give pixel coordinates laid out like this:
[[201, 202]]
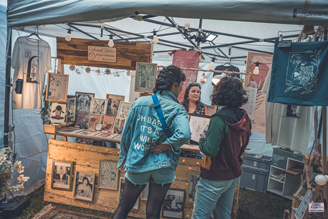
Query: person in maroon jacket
[[223, 147]]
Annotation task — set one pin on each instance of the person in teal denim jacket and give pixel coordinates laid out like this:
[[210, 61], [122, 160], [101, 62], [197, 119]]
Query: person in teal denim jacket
[[146, 154]]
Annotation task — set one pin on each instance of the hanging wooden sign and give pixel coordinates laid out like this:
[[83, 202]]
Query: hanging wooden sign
[[76, 52], [102, 54]]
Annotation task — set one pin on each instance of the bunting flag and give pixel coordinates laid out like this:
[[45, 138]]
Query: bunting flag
[[186, 59]]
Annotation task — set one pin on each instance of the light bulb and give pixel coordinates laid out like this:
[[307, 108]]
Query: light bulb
[[203, 79], [211, 65], [321, 180], [110, 43], [155, 39], [256, 70], [187, 25], [216, 79], [68, 35]]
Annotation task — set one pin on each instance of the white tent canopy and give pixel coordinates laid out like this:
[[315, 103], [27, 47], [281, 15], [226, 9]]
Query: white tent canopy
[[32, 12]]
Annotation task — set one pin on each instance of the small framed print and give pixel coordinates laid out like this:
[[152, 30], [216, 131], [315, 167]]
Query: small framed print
[[93, 121], [193, 178], [108, 123], [123, 110], [145, 77], [82, 119], [113, 104], [119, 125], [98, 106], [173, 203], [84, 185], [121, 185], [71, 108], [108, 175], [58, 113], [62, 175], [199, 126], [210, 110], [57, 85], [84, 101]]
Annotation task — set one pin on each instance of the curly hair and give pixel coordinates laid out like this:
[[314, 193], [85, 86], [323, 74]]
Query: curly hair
[[229, 92], [185, 101], [167, 77]]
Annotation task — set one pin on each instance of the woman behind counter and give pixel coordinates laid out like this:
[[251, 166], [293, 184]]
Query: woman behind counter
[[191, 100]]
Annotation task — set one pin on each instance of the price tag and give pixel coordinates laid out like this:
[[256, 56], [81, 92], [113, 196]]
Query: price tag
[[255, 164], [316, 207]]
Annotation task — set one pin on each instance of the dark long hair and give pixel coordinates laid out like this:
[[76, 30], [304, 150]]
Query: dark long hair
[[185, 101], [167, 77], [229, 92]]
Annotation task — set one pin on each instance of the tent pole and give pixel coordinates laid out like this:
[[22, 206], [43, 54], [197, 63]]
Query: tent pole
[[7, 87]]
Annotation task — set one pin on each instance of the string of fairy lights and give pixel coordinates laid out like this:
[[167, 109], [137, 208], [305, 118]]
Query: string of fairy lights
[[107, 152]]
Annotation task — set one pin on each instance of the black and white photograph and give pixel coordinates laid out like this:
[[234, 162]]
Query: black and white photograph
[[61, 178], [71, 108], [122, 181], [293, 111], [145, 77], [192, 183], [108, 175], [113, 104], [84, 185], [173, 203], [123, 110], [84, 101], [57, 85], [98, 106]]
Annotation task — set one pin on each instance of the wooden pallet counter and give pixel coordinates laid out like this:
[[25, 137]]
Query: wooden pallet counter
[[87, 158]]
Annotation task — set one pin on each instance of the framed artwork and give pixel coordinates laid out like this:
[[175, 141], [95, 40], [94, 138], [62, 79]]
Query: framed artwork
[[193, 178], [210, 110], [173, 203], [145, 193], [123, 110], [94, 119], [145, 77], [62, 175], [84, 185], [98, 106], [84, 101], [121, 185], [71, 108], [108, 123], [57, 85], [198, 126], [103, 134], [58, 112], [82, 119], [119, 125], [113, 104], [108, 175]]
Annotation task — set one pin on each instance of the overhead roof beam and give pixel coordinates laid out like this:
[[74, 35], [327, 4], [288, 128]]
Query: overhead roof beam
[[89, 35], [254, 50], [115, 34], [179, 29]]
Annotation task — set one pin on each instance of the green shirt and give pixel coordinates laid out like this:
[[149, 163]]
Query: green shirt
[[218, 129]]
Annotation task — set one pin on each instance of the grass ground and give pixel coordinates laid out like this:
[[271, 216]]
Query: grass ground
[[252, 205]]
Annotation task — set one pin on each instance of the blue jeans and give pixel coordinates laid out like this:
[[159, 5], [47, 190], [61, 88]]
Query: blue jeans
[[214, 196]]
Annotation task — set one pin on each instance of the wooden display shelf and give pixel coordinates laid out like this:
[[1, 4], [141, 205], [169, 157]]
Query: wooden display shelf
[[87, 158]]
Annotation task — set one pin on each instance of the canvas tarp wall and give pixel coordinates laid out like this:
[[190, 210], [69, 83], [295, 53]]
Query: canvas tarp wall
[[3, 39], [32, 12]]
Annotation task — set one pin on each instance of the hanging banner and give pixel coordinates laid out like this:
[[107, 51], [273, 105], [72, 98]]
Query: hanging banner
[[186, 59], [257, 81], [300, 74]]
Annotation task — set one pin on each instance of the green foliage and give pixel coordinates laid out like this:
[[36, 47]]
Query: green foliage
[[45, 109]]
